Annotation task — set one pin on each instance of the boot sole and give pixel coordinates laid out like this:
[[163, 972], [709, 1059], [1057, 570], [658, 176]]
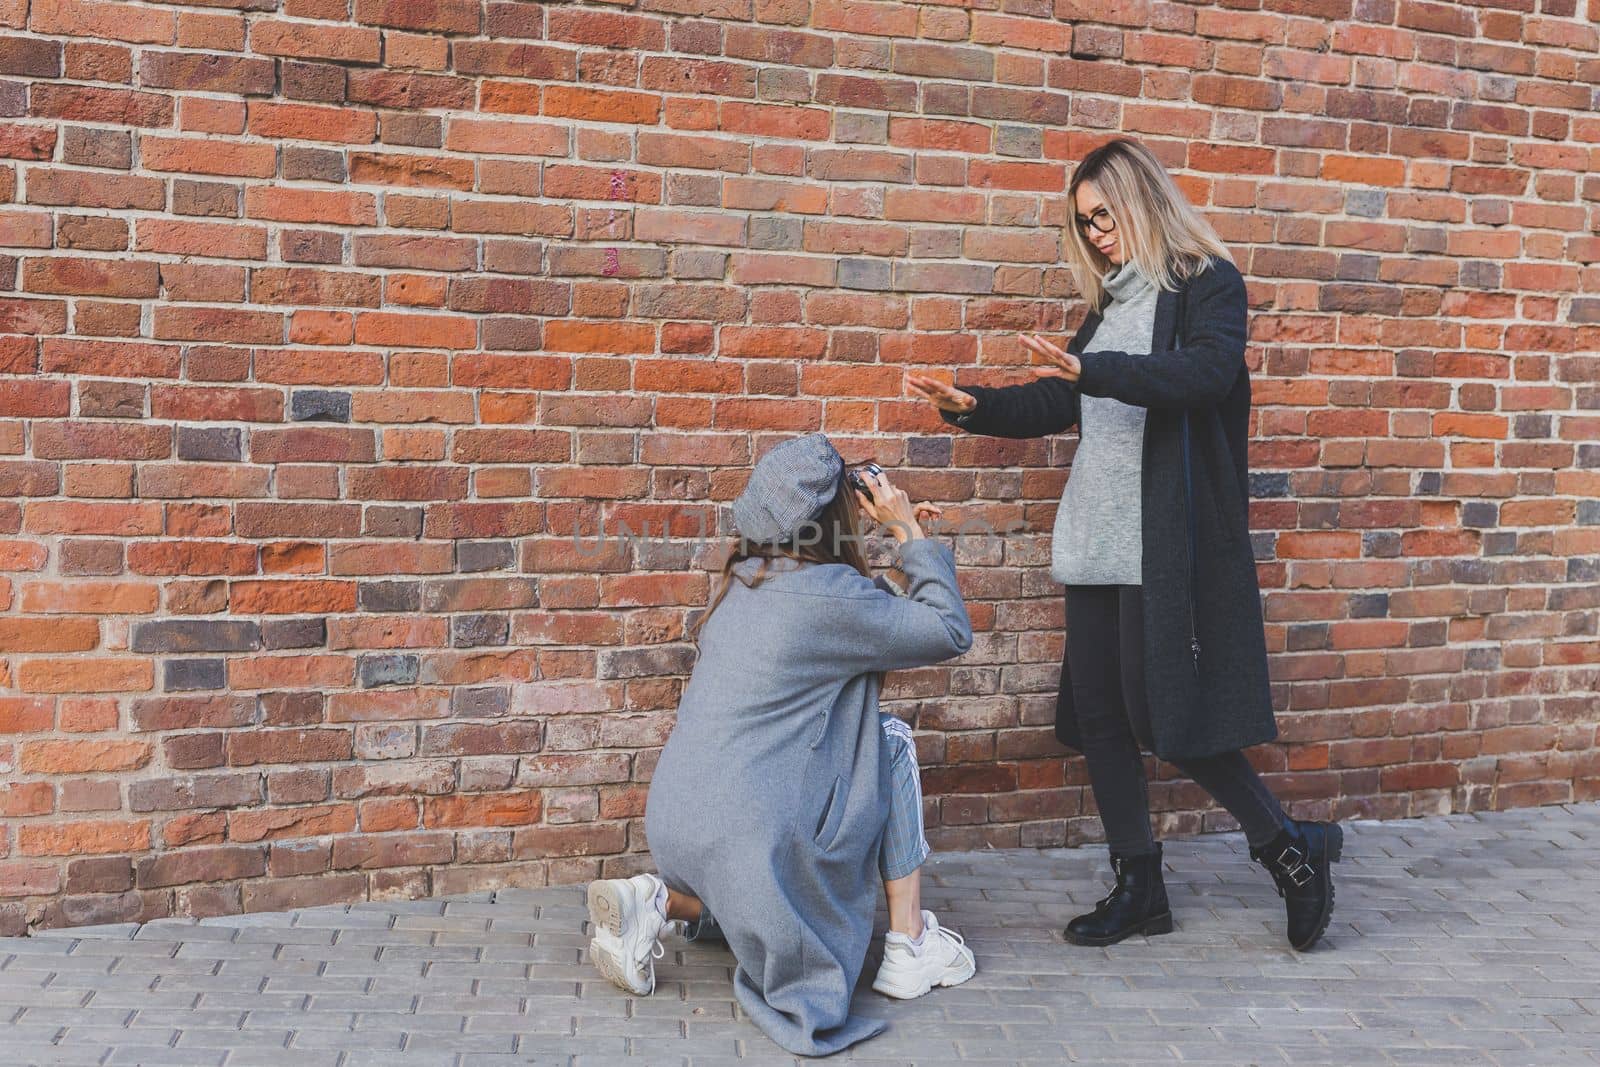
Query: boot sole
[[1331, 854], [1156, 924]]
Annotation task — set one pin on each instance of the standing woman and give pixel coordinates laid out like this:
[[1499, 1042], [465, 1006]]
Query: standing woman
[[1164, 647]]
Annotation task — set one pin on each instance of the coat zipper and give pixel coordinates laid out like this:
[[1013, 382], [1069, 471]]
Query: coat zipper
[[1188, 499]]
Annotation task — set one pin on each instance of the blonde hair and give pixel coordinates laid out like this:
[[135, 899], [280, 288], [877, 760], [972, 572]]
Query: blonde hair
[[1161, 233]]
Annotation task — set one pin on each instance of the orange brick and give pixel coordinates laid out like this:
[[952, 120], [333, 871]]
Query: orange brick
[[105, 675], [80, 757], [89, 837]]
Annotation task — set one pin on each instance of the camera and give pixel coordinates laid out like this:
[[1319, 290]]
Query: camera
[[853, 476]]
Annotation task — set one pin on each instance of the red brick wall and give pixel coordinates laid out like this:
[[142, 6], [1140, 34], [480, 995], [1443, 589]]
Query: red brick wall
[[327, 322]]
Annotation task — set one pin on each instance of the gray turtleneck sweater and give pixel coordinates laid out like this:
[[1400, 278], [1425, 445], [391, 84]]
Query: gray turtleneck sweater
[[1097, 538]]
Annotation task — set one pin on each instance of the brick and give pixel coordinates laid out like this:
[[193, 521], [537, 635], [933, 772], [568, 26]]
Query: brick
[[21, 634], [200, 865], [183, 675], [107, 675], [99, 874], [293, 633], [271, 825], [184, 713], [79, 757], [191, 557], [84, 837], [21, 879], [517, 808], [288, 746], [392, 850], [319, 405], [206, 636], [185, 793]]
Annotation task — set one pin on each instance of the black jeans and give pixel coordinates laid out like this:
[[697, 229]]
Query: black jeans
[[1105, 656]]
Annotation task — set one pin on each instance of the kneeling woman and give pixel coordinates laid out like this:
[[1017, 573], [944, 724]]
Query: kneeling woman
[[783, 796]]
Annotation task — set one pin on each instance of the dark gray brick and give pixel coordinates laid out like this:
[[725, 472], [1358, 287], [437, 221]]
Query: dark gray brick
[[1307, 637], [1269, 484], [467, 631], [474, 556], [319, 405], [211, 444], [1380, 544], [178, 675], [196, 635], [294, 633], [393, 522], [387, 670], [312, 164], [481, 703], [870, 274], [1366, 203], [776, 234], [1369, 605], [1499, 542], [389, 596]]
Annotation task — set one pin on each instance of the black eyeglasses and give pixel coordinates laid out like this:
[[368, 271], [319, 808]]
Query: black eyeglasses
[[1100, 220]]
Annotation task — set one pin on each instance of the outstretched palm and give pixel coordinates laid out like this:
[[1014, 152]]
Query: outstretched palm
[[941, 395], [1060, 363]]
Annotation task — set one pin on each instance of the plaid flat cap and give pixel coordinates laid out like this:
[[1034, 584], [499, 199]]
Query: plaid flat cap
[[789, 486]]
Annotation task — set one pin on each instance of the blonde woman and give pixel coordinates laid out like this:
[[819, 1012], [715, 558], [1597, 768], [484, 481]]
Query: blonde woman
[[1164, 645]]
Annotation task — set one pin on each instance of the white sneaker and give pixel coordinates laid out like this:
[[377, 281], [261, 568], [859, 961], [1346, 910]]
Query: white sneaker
[[906, 973], [627, 923]]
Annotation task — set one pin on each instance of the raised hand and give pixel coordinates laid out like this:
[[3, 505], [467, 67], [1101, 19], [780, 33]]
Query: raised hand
[[891, 508], [1060, 363], [941, 395]]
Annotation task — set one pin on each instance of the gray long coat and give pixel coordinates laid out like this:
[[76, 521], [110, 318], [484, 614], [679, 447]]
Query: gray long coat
[[1194, 383], [770, 799]]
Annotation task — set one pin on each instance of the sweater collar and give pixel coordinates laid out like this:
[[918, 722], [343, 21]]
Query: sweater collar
[[1126, 282]]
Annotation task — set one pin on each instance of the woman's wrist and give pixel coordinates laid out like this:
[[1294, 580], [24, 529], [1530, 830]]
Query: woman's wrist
[[904, 531]]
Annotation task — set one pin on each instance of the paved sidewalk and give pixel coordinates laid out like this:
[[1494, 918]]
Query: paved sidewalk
[[1457, 940]]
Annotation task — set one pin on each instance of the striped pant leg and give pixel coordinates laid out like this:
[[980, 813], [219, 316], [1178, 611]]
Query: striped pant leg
[[904, 846]]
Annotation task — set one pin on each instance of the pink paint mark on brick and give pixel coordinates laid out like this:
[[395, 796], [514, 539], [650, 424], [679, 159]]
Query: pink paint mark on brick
[[618, 191]]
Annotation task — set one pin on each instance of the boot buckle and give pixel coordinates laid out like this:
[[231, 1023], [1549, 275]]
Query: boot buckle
[[1296, 869]]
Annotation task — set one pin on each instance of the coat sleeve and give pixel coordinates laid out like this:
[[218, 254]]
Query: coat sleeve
[[885, 632], [1033, 409], [1198, 374]]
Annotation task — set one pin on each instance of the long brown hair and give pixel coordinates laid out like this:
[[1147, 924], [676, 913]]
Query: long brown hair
[[1162, 234]]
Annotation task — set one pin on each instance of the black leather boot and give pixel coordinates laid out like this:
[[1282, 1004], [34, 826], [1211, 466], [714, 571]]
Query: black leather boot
[[1300, 861], [1136, 905]]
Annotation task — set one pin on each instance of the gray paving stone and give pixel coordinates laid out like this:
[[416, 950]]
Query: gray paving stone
[[1459, 940]]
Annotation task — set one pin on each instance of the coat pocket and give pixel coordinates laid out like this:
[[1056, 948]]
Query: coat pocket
[[831, 815]]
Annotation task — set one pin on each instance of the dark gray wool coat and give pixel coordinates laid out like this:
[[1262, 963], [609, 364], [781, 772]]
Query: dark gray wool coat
[[1219, 699], [772, 793]]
